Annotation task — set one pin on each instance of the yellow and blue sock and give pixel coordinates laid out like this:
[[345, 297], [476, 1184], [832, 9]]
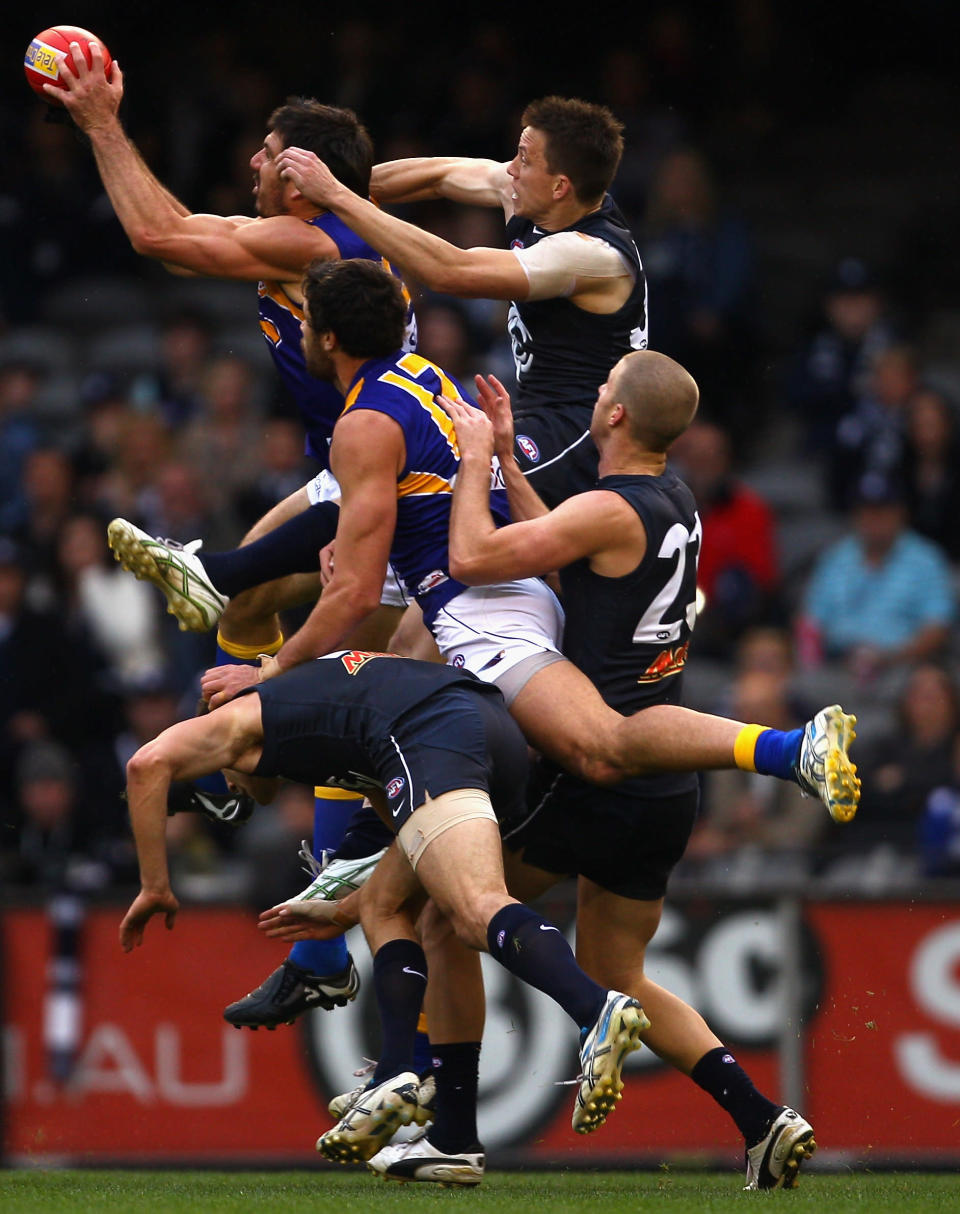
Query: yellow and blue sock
[[422, 1050], [771, 752], [332, 810]]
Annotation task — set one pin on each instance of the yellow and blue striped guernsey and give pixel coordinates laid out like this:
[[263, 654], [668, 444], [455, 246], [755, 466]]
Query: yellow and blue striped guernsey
[[404, 387]]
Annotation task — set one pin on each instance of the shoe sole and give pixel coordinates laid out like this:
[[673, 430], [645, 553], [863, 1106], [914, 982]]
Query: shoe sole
[[840, 773], [590, 1113], [325, 1005], [137, 559], [359, 1144], [444, 1177], [800, 1152]]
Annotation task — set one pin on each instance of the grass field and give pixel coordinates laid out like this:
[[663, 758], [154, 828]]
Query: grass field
[[557, 1192]]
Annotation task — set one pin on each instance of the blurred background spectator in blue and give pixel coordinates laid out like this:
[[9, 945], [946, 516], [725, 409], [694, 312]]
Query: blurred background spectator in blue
[[881, 597]]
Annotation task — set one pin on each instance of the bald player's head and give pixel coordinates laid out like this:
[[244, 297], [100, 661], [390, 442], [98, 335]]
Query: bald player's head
[[658, 397]]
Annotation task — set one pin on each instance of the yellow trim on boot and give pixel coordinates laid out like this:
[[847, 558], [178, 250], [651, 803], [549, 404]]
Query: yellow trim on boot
[[248, 653], [745, 745]]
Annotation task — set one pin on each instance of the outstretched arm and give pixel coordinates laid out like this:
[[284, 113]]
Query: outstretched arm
[[482, 553], [184, 751], [482, 183], [481, 273], [156, 223]]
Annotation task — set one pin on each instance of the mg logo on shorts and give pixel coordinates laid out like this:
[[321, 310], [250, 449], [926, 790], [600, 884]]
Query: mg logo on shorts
[[396, 787], [529, 448]]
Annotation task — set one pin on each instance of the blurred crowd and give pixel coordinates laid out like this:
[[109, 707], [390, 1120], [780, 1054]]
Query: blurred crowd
[[824, 460]]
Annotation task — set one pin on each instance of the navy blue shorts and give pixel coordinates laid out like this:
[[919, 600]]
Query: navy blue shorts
[[454, 740], [555, 451], [623, 841]]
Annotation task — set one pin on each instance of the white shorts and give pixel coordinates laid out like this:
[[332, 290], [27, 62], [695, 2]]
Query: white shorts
[[489, 630], [324, 488]]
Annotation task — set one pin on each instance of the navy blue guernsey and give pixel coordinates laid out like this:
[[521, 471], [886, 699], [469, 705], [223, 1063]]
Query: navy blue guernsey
[[564, 353], [325, 722], [630, 635]]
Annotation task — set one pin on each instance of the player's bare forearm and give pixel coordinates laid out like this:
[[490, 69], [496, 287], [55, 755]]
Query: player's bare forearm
[[458, 178], [341, 608], [148, 783], [475, 273], [473, 532], [524, 501], [141, 203]]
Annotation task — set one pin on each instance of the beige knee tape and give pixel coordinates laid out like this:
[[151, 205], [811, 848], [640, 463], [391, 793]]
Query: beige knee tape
[[435, 816]]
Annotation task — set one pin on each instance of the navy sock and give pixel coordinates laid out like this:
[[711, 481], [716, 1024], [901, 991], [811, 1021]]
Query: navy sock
[[719, 1073], [776, 752], [422, 1053], [293, 547], [537, 953], [455, 1069], [365, 834], [399, 981]]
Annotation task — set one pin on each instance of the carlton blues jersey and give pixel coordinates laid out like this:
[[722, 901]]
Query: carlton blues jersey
[[319, 402], [403, 387], [325, 722], [564, 353], [630, 634]]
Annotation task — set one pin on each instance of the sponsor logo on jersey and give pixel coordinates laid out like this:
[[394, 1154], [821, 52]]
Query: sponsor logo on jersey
[[354, 659], [529, 448], [396, 787], [667, 662], [431, 581]]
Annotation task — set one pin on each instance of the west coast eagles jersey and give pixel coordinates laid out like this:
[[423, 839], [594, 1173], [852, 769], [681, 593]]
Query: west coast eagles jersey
[[564, 353], [403, 387], [319, 403]]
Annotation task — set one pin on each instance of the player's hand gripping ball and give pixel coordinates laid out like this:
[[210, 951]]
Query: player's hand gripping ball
[[48, 57]]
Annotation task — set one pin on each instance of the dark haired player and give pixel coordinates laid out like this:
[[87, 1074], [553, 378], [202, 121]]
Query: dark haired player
[[272, 250], [572, 272]]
